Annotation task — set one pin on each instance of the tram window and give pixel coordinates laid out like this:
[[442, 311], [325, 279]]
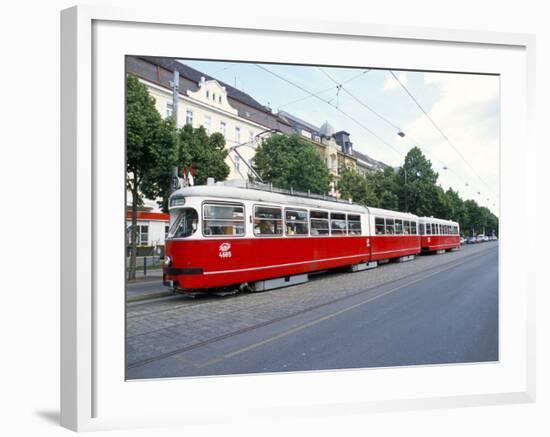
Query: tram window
[[413, 228], [434, 229], [379, 226], [354, 224], [223, 219], [422, 229], [185, 224], [319, 222], [406, 227], [337, 223], [398, 227], [389, 227], [268, 220], [296, 222], [428, 229]]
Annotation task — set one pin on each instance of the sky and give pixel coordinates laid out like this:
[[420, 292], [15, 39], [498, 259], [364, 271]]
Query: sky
[[463, 148]]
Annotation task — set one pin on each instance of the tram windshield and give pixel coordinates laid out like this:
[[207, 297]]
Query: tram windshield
[[185, 224]]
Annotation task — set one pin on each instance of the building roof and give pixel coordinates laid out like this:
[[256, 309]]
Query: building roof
[[195, 76], [298, 122], [368, 160]]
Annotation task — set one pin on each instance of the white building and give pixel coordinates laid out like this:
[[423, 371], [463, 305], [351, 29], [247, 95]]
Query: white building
[[204, 101]]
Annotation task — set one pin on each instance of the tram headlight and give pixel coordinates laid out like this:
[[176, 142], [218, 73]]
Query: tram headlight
[[167, 261]]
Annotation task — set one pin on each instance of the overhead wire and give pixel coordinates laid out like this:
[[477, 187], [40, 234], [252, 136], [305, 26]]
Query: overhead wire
[[333, 106], [385, 119], [441, 131]]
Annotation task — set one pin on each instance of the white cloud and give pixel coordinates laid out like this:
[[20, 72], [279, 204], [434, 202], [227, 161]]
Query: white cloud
[[391, 83], [467, 111]]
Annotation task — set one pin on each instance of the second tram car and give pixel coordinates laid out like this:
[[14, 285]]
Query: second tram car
[[438, 235], [223, 236]]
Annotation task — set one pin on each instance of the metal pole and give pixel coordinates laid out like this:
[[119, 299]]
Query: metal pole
[[175, 83], [175, 95]]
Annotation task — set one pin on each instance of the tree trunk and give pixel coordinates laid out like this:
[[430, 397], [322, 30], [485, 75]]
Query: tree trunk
[[133, 233]]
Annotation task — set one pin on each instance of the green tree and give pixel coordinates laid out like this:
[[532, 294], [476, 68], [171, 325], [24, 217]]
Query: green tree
[[289, 161], [417, 190], [354, 186], [474, 220], [142, 130], [205, 153], [156, 184], [384, 185]]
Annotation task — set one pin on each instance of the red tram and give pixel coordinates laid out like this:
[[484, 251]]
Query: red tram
[[227, 236]]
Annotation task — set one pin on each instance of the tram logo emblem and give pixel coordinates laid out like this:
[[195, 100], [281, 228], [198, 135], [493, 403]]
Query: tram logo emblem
[[225, 250]]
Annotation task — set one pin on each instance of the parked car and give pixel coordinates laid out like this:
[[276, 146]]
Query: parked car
[[471, 240]]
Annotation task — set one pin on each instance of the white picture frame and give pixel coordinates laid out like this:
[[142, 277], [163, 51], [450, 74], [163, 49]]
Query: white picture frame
[[92, 394]]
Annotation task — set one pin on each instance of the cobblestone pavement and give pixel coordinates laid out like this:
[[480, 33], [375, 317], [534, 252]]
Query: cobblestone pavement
[[159, 328]]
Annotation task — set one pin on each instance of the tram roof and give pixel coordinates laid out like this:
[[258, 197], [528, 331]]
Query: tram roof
[[239, 193], [437, 220], [391, 213]]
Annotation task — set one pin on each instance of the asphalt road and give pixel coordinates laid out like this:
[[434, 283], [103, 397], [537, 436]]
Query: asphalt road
[[444, 312]]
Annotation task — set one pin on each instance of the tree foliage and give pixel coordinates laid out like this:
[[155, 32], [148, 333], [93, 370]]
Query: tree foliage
[[205, 153], [354, 186], [289, 161], [413, 188]]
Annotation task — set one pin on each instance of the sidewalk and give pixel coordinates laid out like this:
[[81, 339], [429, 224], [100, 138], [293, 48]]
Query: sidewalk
[[152, 275], [146, 287]]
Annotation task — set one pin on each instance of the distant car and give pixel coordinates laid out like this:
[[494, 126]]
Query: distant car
[[485, 238], [480, 238], [471, 240]]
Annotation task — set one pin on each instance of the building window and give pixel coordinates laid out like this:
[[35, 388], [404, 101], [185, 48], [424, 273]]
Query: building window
[[238, 135], [223, 127], [207, 94], [214, 96], [169, 109], [268, 220], [208, 123], [250, 136], [219, 99], [189, 117], [223, 219], [237, 163], [143, 235]]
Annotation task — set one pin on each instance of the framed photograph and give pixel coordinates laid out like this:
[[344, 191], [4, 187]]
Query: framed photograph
[[269, 218]]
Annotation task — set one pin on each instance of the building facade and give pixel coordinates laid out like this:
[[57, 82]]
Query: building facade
[[207, 102]]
